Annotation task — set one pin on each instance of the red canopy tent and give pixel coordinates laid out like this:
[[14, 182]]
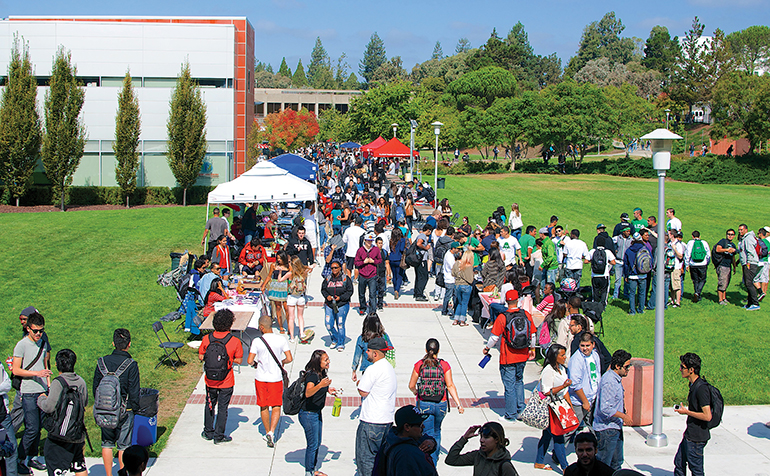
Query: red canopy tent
[[393, 148], [376, 143]]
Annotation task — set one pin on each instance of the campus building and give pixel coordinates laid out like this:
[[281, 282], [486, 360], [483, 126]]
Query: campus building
[[220, 51], [269, 101]]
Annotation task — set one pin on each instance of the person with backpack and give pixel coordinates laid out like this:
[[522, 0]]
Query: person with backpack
[[697, 257], [406, 448], [637, 262], [431, 382], [602, 261], [64, 409], [701, 412], [218, 352], [516, 333], [317, 385], [763, 270], [121, 375]]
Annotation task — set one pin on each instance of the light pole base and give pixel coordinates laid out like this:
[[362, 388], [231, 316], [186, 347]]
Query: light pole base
[[657, 441]]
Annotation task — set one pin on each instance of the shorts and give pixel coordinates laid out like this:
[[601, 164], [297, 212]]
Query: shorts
[[350, 263], [293, 300], [120, 437], [676, 279], [269, 394], [723, 278], [762, 272], [61, 457]]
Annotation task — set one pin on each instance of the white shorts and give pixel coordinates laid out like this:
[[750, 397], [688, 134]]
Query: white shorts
[[763, 273], [292, 300]]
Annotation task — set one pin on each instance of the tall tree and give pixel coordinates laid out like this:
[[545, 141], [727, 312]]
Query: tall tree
[[284, 69], [389, 72], [371, 114], [481, 88], [689, 74], [128, 127], [299, 80], [374, 57], [340, 71], [660, 50], [602, 39], [186, 128], [751, 47], [438, 52], [351, 83], [20, 133], [319, 69], [65, 134], [287, 130], [463, 45]]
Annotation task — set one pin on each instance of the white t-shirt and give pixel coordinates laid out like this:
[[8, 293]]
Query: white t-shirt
[[508, 247], [575, 251], [678, 246], [550, 378], [514, 222], [449, 262], [674, 224], [380, 382], [607, 267], [352, 238], [267, 368]]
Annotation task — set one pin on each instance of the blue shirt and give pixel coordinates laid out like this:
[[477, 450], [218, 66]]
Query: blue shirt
[[609, 400]]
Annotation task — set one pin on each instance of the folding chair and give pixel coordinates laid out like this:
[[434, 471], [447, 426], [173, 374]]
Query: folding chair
[[593, 310], [454, 218], [168, 347]]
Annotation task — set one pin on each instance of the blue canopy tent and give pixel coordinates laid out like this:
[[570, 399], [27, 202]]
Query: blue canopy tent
[[297, 166], [350, 145]]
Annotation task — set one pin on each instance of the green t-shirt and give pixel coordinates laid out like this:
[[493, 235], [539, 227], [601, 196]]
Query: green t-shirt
[[637, 225], [527, 241], [474, 243], [767, 243]]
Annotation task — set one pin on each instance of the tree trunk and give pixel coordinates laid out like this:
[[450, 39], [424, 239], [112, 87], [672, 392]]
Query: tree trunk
[[127, 206], [184, 197]]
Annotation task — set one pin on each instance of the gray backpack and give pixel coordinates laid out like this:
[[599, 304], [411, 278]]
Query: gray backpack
[[109, 406]]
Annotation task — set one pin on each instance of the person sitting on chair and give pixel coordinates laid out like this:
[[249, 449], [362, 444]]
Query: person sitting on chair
[[252, 257]]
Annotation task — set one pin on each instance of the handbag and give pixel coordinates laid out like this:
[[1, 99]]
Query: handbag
[[563, 419], [536, 414], [280, 366], [403, 265]]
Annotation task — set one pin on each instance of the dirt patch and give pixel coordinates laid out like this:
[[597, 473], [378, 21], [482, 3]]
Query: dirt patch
[[72, 208]]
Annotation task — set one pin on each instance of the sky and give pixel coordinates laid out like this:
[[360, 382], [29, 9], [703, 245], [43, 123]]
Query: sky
[[410, 29]]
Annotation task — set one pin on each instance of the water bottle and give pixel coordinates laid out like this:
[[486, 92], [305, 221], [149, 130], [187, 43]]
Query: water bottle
[[337, 407], [485, 361]]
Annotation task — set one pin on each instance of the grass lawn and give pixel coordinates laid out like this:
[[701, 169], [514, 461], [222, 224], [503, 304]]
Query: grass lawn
[[90, 272], [728, 339]]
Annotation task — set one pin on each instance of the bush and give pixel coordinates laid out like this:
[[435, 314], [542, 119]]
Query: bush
[[92, 195]]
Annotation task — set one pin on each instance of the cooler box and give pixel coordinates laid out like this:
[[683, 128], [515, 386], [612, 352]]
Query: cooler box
[[145, 430]]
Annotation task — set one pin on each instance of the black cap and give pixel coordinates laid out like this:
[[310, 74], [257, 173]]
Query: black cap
[[378, 343], [624, 216], [27, 311], [409, 414]]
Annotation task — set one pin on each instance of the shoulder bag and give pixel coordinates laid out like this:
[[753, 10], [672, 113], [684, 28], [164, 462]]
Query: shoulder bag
[[16, 380], [280, 365]]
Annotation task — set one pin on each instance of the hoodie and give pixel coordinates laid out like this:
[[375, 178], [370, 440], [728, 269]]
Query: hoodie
[[404, 456], [747, 247], [482, 464], [629, 260], [603, 239], [340, 286]]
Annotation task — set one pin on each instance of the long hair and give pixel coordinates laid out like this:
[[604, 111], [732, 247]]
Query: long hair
[[372, 327], [431, 349], [496, 256], [395, 237], [282, 259], [467, 259], [297, 268], [558, 311], [515, 210], [314, 364]]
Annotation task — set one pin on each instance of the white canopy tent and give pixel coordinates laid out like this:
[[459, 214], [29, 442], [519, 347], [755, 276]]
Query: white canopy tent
[[263, 183]]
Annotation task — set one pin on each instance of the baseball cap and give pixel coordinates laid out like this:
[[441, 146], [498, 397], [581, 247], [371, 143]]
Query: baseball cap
[[637, 236], [455, 244], [27, 311], [378, 343], [369, 237], [624, 215], [409, 414], [766, 228], [543, 230], [511, 295], [600, 226]]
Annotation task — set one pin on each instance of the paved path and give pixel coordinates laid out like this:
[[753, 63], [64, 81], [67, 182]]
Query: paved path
[[740, 446]]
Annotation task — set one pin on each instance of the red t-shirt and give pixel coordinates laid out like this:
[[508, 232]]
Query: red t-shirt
[[209, 307], [508, 355], [234, 350], [444, 366]]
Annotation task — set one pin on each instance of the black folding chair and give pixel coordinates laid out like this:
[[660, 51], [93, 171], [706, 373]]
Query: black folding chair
[[593, 310], [168, 347], [454, 218]]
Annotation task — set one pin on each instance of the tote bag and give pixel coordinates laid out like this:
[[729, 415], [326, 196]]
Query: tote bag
[[563, 419]]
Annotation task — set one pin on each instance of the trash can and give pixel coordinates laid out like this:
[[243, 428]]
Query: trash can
[[638, 385], [407, 177], [175, 257], [146, 418], [441, 182]]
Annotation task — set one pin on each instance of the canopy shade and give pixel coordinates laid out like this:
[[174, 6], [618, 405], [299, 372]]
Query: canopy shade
[[297, 166], [263, 183], [393, 148], [350, 145], [378, 142]]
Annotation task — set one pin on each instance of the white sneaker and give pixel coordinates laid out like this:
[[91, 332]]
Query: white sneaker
[[292, 340], [333, 345]]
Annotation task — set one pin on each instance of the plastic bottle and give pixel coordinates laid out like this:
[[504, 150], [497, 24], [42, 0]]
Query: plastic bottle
[[337, 407], [485, 361]]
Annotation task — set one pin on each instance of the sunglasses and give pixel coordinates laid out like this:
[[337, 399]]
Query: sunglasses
[[626, 367], [485, 431], [37, 331]]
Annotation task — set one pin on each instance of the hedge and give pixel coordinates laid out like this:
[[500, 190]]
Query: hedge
[[91, 195]]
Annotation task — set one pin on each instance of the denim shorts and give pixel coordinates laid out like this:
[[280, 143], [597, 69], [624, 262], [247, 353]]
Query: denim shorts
[[120, 437]]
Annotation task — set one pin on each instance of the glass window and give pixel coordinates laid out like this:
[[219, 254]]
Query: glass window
[[291, 105], [154, 146], [273, 107], [116, 82], [309, 107], [159, 82]]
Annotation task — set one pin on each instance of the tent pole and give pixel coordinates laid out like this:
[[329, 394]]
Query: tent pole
[[206, 243]]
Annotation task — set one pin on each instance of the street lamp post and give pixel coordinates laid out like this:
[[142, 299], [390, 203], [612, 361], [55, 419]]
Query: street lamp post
[[667, 112], [437, 130], [394, 126], [662, 141], [412, 127]]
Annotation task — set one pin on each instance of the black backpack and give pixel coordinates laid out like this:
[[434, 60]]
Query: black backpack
[[599, 261], [717, 406], [294, 395], [216, 361], [66, 423], [412, 257], [516, 332], [440, 250]]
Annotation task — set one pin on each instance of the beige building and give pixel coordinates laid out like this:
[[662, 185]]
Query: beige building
[[268, 100]]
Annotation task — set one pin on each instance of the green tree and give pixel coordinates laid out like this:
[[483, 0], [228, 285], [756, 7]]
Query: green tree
[[299, 80], [389, 72], [602, 39], [438, 52], [689, 76], [757, 123], [284, 69], [372, 113], [448, 68], [352, 83], [128, 127], [340, 71], [374, 57], [319, 73], [266, 79], [751, 47], [463, 45], [510, 119], [481, 88], [734, 107], [65, 134], [334, 126], [20, 132], [546, 70], [269, 68], [186, 128], [630, 115], [661, 51]]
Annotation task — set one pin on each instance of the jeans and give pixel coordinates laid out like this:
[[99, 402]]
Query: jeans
[[690, 453], [749, 272], [698, 275], [610, 450], [219, 398], [337, 229], [421, 279], [652, 280], [449, 294], [312, 423], [516, 233], [369, 439], [550, 275], [322, 236], [513, 381], [432, 425], [558, 448], [618, 280], [463, 294], [10, 460], [398, 275], [363, 285], [636, 290], [33, 417], [335, 323], [575, 274], [600, 286], [248, 235]]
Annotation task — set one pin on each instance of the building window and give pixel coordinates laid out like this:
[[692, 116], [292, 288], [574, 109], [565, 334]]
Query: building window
[[343, 108], [324, 107], [273, 107], [291, 105], [309, 107], [259, 109], [159, 82], [116, 82]]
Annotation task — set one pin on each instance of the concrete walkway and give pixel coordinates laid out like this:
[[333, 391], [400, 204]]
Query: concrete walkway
[[740, 446]]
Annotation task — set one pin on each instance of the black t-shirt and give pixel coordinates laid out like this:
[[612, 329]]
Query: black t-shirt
[[317, 402], [727, 258], [598, 469], [699, 397]]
